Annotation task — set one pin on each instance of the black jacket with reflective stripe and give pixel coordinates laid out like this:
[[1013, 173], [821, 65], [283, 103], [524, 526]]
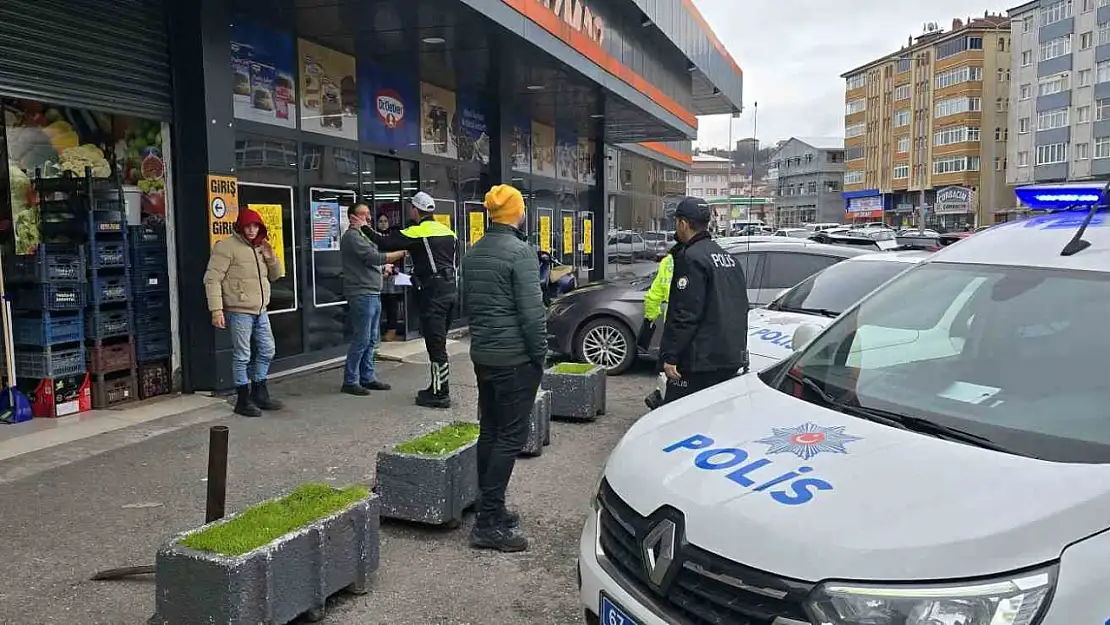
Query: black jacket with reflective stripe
[[432, 246]]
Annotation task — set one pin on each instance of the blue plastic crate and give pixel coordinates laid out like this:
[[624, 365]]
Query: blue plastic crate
[[150, 282], [110, 289], [48, 362], [155, 347], [146, 237], [152, 321], [108, 254], [58, 296], [49, 263], [149, 258], [47, 329], [105, 324], [108, 217], [152, 302]]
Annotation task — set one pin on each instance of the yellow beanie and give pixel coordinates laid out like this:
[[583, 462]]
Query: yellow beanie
[[505, 204]]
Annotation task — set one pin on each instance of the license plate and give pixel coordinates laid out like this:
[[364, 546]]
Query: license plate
[[611, 614]]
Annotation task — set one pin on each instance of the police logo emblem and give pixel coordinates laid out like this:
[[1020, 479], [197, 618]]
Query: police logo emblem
[[682, 282], [808, 440]]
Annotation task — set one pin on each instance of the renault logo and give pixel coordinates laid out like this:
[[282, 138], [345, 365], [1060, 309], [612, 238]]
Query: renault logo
[[658, 550]]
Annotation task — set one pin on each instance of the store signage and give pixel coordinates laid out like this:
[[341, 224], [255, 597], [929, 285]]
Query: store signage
[[223, 206], [953, 201], [873, 204], [579, 17], [391, 108]]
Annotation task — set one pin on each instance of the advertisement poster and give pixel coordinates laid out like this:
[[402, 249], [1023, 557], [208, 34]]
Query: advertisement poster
[[566, 157], [443, 219], [329, 93], [474, 142], [477, 226], [389, 116], [568, 234], [326, 226], [587, 236], [263, 65], [437, 121], [545, 233], [275, 228], [543, 150], [520, 154], [223, 206]]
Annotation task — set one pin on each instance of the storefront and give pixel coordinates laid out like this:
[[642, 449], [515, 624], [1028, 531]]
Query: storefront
[[954, 209]]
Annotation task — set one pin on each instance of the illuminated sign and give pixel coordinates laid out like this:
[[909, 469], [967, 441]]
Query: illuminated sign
[[1061, 195], [579, 17]]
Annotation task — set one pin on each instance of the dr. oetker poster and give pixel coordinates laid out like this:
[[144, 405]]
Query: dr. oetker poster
[[390, 108]]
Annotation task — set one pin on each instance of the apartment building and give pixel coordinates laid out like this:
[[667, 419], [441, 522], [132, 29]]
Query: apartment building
[[927, 126], [1060, 111], [809, 181]]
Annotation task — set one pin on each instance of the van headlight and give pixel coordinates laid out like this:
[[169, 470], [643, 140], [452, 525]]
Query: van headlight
[[1016, 601]]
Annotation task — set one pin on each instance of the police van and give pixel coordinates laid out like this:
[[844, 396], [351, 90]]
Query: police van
[[938, 455]]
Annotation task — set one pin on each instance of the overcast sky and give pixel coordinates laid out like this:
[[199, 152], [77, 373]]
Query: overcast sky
[[794, 51]]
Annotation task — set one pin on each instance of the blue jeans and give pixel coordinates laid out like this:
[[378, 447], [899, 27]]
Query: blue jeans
[[365, 313], [250, 365]]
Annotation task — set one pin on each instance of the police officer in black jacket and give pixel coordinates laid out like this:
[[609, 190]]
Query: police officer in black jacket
[[434, 250], [705, 336]]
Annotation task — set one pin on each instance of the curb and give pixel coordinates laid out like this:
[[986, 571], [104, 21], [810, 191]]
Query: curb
[[387, 357], [459, 333]]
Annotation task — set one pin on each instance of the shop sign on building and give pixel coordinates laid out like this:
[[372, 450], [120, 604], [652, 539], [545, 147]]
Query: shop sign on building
[[954, 201], [579, 17], [872, 204]]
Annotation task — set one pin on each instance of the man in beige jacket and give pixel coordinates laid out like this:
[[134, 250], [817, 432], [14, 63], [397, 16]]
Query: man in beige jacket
[[237, 285]]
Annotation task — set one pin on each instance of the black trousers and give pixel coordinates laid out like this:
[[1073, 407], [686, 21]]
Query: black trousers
[[693, 382], [505, 398], [435, 299]]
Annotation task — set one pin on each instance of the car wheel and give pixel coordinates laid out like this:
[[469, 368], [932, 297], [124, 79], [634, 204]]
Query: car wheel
[[608, 343]]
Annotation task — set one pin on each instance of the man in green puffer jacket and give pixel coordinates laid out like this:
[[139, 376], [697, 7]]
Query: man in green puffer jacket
[[508, 345]]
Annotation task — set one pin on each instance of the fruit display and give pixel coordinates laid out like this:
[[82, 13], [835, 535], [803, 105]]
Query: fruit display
[[25, 214], [143, 164]]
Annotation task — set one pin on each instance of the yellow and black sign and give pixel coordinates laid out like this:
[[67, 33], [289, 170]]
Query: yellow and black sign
[[223, 206]]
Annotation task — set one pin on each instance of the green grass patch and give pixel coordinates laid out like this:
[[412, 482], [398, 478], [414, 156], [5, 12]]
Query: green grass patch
[[264, 522], [442, 441], [573, 368]]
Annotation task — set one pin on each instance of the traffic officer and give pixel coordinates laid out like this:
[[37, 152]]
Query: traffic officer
[[655, 311], [703, 344], [434, 250]]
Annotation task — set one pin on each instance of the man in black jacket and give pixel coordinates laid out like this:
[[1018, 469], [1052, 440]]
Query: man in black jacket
[[433, 248], [508, 345], [705, 337]]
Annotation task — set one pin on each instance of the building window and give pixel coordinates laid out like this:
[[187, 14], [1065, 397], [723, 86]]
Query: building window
[[1102, 110], [1001, 134], [855, 82], [953, 47], [1023, 159], [1056, 48], [855, 106], [1054, 84], [955, 106], [959, 134], [955, 164], [853, 177], [1103, 34], [1050, 120], [1056, 12], [1052, 154], [903, 145], [974, 43], [901, 118], [853, 153], [904, 65], [1082, 151], [1088, 5], [855, 130], [1026, 92], [1082, 114], [1102, 147], [1085, 40], [901, 172], [1102, 72], [901, 92], [1027, 23], [1023, 125], [1084, 78], [957, 75]]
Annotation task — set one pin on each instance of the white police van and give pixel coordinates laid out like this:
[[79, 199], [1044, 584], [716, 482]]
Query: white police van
[[939, 455]]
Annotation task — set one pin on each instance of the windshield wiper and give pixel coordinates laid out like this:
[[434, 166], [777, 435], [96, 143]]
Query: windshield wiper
[[823, 312]]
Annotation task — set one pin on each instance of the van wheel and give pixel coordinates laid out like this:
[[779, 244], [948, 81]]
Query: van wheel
[[607, 343]]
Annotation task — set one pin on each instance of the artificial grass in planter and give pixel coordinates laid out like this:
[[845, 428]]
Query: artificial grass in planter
[[441, 442], [573, 368], [269, 520]]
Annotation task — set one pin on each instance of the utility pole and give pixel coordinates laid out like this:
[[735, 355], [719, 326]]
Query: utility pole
[[755, 154]]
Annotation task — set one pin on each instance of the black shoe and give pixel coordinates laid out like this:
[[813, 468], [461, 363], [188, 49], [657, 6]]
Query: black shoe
[[260, 395], [498, 538], [376, 385], [433, 401], [355, 389], [244, 405], [510, 519]]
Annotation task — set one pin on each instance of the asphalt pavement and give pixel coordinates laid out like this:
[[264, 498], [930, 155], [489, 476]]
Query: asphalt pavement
[[112, 500]]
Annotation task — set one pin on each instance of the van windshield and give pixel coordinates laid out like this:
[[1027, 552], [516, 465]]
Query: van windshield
[[1017, 358]]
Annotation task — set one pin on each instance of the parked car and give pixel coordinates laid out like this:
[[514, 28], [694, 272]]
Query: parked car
[[626, 246], [597, 323], [793, 233], [658, 243]]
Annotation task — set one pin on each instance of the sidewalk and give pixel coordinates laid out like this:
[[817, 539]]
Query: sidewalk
[[73, 513]]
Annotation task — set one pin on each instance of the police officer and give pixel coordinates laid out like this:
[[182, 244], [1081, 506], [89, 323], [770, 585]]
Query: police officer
[[433, 248], [703, 342]]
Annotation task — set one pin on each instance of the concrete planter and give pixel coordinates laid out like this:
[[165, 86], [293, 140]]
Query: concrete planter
[[429, 490], [274, 584], [576, 396], [539, 425]]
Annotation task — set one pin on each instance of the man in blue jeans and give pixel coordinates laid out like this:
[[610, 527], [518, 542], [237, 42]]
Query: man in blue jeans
[[362, 286]]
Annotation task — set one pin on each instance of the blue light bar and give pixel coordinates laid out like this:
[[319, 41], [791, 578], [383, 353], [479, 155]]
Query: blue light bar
[[1061, 195]]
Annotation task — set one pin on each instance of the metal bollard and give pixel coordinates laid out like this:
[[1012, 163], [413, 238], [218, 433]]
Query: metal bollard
[[217, 474]]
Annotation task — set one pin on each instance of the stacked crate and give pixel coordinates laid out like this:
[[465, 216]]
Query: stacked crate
[[151, 308], [111, 351]]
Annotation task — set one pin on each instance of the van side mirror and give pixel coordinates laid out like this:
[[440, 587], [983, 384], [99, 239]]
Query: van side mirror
[[803, 334]]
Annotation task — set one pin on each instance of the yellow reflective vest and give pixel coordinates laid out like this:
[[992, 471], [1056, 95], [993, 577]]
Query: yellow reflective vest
[[655, 301]]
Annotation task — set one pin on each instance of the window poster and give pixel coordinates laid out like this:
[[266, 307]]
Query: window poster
[[474, 142], [566, 157], [389, 116], [328, 210], [545, 233], [274, 203], [329, 92], [521, 147], [543, 150], [437, 121], [587, 173], [262, 64]]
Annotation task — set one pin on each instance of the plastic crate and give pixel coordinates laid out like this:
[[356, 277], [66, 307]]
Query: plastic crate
[[49, 263], [108, 254], [153, 347], [113, 389], [48, 362], [149, 258], [105, 324], [146, 237], [47, 329], [108, 217], [111, 289], [150, 282], [151, 322], [109, 357], [154, 379], [57, 296], [152, 301]]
